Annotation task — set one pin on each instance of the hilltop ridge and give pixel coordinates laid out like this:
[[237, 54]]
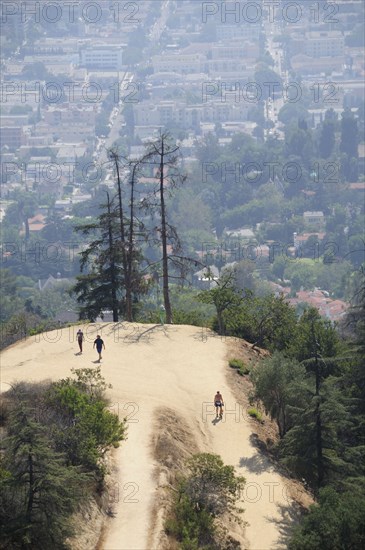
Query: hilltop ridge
[[153, 368]]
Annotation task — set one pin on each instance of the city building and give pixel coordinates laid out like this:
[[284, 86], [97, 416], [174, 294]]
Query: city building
[[106, 57], [236, 50], [244, 32], [324, 44], [314, 218], [179, 63], [71, 114], [12, 136]]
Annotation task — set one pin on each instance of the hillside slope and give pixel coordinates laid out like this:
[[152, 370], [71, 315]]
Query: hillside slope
[[149, 367]]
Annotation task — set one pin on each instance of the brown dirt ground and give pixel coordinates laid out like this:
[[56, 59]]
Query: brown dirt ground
[[265, 432]]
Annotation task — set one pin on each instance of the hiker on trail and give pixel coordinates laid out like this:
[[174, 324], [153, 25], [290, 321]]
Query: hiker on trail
[[218, 403], [80, 338], [162, 314], [99, 343]]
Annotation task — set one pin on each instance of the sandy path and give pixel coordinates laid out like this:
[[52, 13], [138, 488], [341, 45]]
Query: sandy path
[[150, 366]]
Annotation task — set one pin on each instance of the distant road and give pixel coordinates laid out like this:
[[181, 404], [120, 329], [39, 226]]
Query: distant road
[[159, 25], [117, 122], [272, 108], [126, 79]]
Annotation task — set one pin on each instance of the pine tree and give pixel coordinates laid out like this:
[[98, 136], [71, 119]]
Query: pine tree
[[312, 447], [349, 145], [337, 521], [98, 290], [354, 384], [349, 134], [40, 492], [327, 139], [279, 383]]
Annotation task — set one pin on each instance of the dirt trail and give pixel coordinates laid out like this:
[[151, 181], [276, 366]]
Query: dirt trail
[[151, 366]]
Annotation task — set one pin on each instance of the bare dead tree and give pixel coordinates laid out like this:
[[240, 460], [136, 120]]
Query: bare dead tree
[[133, 257], [128, 233], [164, 154]]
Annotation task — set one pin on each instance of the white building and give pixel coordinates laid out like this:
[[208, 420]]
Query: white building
[[179, 63], [249, 31], [235, 50], [324, 43], [102, 57], [190, 116]]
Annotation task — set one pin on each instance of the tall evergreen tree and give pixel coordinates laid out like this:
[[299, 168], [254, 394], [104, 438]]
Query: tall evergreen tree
[[279, 383], [312, 446], [337, 521], [98, 290], [349, 145], [40, 492], [122, 236], [21, 210], [324, 340], [354, 383], [327, 139], [349, 134]]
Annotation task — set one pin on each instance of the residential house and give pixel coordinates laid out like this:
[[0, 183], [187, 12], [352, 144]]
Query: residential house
[[314, 219]]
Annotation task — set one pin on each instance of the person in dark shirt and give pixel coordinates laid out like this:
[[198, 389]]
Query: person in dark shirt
[[80, 338], [99, 343]]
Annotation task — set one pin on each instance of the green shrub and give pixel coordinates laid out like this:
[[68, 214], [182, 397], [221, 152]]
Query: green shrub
[[180, 317], [244, 371], [195, 318], [210, 490], [4, 411], [191, 526], [254, 413], [240, 367], [236, 364], [85, 428]]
